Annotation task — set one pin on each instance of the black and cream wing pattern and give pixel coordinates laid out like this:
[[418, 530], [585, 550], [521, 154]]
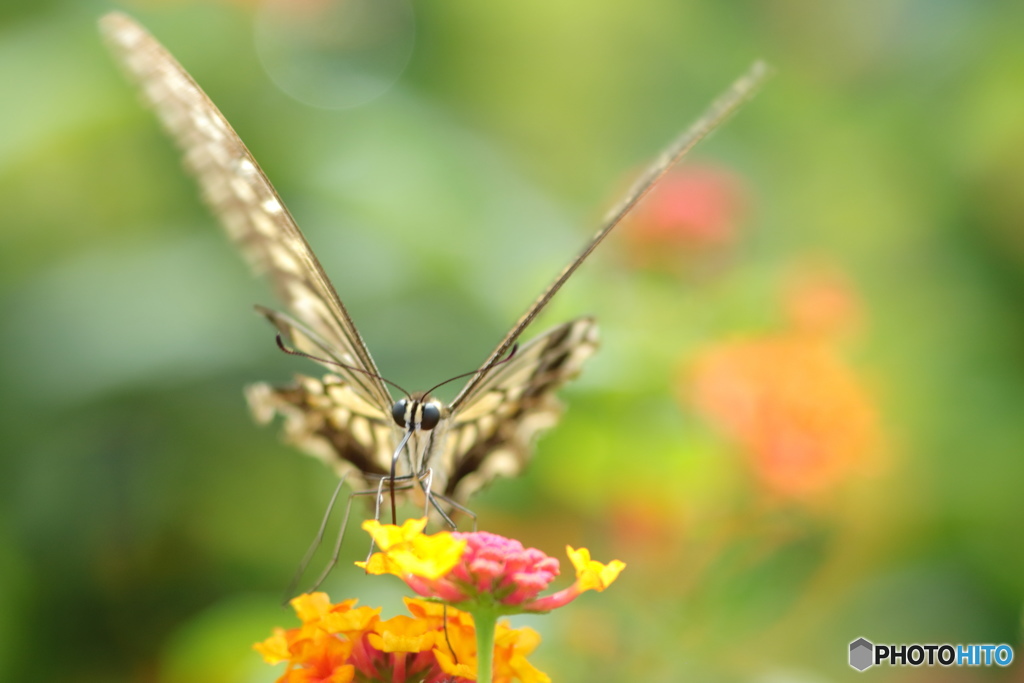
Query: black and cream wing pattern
[[348, 418], [491, 435]]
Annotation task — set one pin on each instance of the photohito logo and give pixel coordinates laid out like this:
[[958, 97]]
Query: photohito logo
[[865, 654]]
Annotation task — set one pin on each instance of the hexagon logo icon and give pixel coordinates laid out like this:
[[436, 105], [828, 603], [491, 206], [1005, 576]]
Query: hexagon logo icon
[[861, 651]]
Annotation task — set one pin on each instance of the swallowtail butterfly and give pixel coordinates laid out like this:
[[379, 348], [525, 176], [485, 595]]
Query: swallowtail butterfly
[[349, 418]]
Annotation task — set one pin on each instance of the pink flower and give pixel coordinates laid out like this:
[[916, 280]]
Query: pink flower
[[492, 570], [692, 215]]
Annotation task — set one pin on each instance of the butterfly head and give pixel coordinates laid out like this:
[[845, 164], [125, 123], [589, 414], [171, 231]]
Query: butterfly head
[[418, 413]]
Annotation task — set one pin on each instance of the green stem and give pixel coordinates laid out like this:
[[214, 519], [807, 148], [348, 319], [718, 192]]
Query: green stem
[[485, 620]]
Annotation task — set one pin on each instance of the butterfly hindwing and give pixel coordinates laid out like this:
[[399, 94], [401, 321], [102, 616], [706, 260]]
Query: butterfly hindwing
[[327, 419], [493, 430]]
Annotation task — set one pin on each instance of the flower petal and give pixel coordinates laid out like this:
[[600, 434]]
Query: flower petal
[[275, 648], [388, 535], [590, 574], [406, 550]]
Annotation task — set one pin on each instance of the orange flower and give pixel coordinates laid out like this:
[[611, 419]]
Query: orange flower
[[821, 302], [311, 656], [435, 644], [485, 574], [314, 651], [797, 409]]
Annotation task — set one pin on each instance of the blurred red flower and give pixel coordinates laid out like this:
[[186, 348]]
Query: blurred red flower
[[693, 213]]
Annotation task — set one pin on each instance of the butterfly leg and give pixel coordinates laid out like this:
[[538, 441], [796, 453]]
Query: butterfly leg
[[336, 552], [317, 540], [406, 485], [456, 506], [447, 640], [426, 479]]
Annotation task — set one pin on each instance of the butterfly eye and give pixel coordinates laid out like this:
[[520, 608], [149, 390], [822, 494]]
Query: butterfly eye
[[430, 416], [398, 412]]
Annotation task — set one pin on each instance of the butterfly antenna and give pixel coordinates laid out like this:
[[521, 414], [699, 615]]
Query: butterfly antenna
[[512, 352], [726, 104], [325, 361]]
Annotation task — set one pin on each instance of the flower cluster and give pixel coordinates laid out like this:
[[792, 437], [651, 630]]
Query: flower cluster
[[339, 643], [481, 567], [471, 579]]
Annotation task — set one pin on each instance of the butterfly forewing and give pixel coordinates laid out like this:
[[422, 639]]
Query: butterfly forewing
[[344, 418], [240, 194]]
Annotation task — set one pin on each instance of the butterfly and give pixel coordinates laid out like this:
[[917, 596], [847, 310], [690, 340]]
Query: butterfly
[[349, 418]]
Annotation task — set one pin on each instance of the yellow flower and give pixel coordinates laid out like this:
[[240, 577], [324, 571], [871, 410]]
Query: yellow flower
[[402, 634], [406, 550], [590, 574], [480, 568], [486, 575], [510, 649], [275, 648]]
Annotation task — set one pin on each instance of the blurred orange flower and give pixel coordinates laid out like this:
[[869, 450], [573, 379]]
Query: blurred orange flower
[[790, 400], [822, 302]]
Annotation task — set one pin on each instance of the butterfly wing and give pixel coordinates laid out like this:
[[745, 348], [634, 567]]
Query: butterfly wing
[[492, 431], [331, 421], [248, 206], [491, 435]]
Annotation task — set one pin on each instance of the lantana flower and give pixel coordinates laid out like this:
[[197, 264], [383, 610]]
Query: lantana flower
[[791, 400], [482, 573], [487, 569], [342, 643], [471, 579]]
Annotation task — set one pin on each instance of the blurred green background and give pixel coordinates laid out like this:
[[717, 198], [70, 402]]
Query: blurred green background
[[148, 527]]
